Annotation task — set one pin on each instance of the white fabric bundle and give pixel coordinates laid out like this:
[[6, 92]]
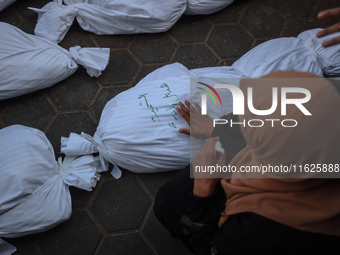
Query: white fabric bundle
[[29, 63], [138, 129], [107, 17], [203, 7], [5, 3], [34, 194], [304, 53]]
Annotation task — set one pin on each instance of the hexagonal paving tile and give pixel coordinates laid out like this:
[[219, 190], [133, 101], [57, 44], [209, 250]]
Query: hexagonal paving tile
[[153, 48], [78, 235], [230, 41], [30, 17], [120, 205], [30, 250], [262, 21], [64, 124], [120, 70], [3, 106], [229, 14], [105, 96], [123, 245], [31, 110], [195, 56], [76, 92], [113, 41], [80, 197], [161, 239], [24, 244], [293, 8], [191, 29], [324, 5], [155, 180], [295, 27], [144, 72], [77, 36], [9, 16], [258, 42]]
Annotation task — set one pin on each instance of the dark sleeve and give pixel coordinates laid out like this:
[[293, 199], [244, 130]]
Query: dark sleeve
[[199, 222], [231, 136]]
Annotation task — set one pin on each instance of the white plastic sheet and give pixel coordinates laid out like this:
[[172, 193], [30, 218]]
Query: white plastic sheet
[[138, 129], [107, 17], [34, 194], [202, 7], [29, 63], [5, 3], [304, 53]]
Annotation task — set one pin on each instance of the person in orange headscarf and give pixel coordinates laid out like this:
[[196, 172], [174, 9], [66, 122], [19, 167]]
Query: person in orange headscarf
[[277, 212]]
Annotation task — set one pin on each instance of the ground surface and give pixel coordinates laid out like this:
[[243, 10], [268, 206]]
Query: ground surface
[[117, 217]]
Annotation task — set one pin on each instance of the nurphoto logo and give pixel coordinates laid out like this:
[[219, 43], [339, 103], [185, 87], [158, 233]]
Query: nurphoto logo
[[239, 104]]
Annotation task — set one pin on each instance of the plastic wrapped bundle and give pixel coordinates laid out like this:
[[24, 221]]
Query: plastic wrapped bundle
[[5, 3], [29, 63], [303, 53], [138, 129], [107, 17], [34, 194], [203, 7]]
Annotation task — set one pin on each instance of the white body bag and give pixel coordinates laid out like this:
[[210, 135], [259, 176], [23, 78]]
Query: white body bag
[[29, 63], [34, 194]]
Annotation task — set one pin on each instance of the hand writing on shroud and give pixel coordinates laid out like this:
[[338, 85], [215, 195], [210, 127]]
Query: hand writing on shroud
[[201, 125]]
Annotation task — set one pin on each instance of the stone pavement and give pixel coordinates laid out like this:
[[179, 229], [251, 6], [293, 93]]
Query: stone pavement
[[117, 217]]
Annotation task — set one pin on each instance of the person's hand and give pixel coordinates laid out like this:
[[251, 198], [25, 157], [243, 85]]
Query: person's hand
[[331, 29], [201, 125], [204, 184]]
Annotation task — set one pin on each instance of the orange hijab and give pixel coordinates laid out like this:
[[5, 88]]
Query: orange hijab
[[311, 203]]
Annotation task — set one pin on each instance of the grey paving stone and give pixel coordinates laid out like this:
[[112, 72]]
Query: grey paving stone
[[3, 106], [76, 92], [120, 70], [256, 1], [120, 205], [144, 72], [80, 197], [294, 8], [228, 62], [24, 242], [295, 27], [153, 48], [127, 244], [10, 16], [258, 42], [31, 110], [191, 29], [262, 21], [324, 5], [78, 235], [229, 14], [230, 41], [113, 41], [153, 181], [64, 124], [195, 56], [30, 17], [76, 36], [105, 95], [30, 250], [161, 240]]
